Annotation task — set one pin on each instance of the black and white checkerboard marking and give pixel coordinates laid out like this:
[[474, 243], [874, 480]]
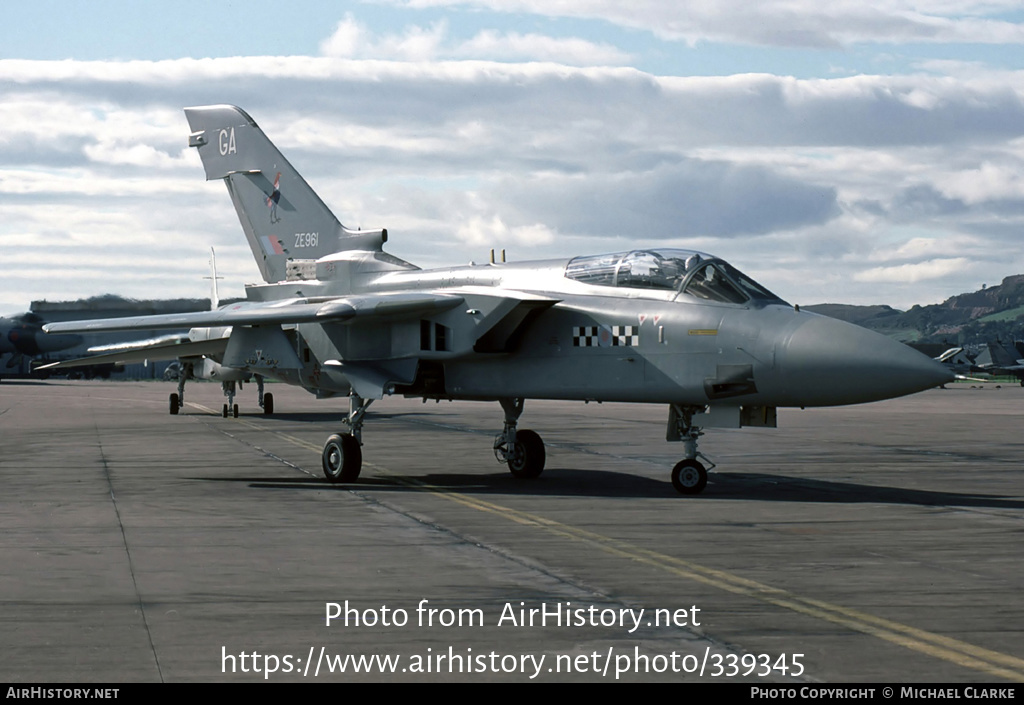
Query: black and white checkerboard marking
[[605, 336]]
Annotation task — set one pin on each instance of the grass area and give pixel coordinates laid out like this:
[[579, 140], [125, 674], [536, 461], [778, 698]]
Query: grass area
[[1010, 314]]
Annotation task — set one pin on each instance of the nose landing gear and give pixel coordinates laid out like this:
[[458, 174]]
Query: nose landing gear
[[689, 476]]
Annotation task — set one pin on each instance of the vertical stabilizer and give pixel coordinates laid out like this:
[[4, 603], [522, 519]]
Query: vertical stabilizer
[[281, 215]]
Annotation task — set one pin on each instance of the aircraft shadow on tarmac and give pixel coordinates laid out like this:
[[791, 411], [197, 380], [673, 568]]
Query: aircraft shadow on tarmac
[[564, 482]]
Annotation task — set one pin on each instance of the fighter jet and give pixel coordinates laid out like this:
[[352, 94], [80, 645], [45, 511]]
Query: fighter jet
[[197, 353], [1000, 360], [22, 337], [685, 329], [958, 361]]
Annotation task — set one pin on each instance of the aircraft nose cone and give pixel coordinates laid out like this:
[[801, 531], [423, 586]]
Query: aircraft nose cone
[[828, 362]]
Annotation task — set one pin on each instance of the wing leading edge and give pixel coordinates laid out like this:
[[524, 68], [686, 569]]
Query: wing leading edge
[[341, 310]]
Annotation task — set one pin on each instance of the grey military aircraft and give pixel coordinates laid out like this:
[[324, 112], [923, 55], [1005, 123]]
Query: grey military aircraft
[[339, 316], [1000, 360], [22, 336]]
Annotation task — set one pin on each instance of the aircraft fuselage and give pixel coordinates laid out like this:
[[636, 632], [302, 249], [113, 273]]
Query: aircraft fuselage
[[602, 343]]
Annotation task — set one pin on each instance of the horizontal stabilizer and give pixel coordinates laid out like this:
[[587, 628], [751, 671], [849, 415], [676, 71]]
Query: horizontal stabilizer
[[172, 351]]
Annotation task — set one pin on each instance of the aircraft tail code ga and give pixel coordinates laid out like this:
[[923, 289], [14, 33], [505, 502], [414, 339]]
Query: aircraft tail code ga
[[605, 336]]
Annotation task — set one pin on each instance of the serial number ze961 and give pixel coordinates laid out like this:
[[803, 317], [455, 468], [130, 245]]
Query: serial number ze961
[[307, 239], [759, 665]]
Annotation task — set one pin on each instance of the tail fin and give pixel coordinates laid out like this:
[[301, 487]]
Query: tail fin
[[283, 218], [1001, 356]]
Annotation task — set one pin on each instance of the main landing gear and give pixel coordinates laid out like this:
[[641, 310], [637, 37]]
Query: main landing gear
[[522, 451], [266, 401], [178, 400], [342, 457], [689, 476], [229, 406]]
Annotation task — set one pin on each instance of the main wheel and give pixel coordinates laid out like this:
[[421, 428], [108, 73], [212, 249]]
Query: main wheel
[[689, 477], [268, 403], [234, 411], [342, 458], [175, 404], [224, 411], [527, 460]]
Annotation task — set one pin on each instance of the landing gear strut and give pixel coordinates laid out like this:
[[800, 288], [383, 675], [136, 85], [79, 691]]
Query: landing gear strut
[[689, 476], [342, 457], [178, 400], [523, 451], [230, 407], [266, 401]]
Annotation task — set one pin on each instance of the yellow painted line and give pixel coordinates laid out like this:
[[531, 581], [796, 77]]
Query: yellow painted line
[[961, 653], [294, 440], [993, 663], [703, 331], [203, 408]]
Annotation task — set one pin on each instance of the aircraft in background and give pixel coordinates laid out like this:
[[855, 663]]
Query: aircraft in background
[[197, 354], [338, 315], [1000, 360], [22, 336]]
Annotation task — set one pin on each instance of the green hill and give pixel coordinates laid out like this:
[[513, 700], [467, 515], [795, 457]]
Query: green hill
[[976, 317]]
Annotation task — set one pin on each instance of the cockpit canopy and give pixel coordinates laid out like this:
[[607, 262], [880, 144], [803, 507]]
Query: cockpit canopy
[[683, 271]]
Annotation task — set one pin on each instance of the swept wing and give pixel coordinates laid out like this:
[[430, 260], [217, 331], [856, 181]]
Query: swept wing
[[335, 310], [166, 351]]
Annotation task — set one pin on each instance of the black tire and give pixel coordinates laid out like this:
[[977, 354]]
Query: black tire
[[342, 458], [528, 459], [175, 404], [268, 404], [689, 477], [224, 410], [234, 411]]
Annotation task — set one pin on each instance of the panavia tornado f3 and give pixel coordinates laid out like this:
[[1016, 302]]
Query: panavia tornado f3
[[339, 316]]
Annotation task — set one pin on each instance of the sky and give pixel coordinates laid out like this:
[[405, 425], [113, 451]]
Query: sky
[[844, 152]]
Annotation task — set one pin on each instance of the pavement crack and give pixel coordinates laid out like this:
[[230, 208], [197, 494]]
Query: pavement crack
[[128, 553]]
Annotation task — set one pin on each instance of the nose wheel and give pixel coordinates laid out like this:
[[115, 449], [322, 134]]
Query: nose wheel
[[689, 476]]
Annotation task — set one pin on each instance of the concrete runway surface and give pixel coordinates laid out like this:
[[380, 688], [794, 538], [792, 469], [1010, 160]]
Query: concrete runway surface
[[871, 543]]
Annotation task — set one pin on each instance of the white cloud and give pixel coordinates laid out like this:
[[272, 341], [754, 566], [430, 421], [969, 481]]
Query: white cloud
[[348, 40], [910, 273], [536, 47], [352, 39], [839, 187], [782, 23], [483, 232], [987, 181]]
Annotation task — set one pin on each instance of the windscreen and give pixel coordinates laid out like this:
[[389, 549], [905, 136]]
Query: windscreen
[[687, 272]]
